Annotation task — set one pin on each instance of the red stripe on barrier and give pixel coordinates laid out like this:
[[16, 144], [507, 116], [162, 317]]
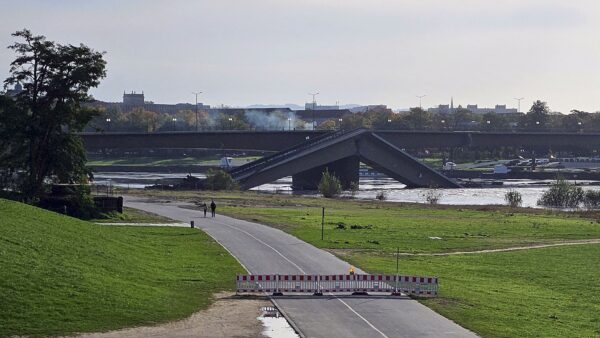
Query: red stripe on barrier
[[429, 280], [251, 278], [268, 277], [422, 280], [293, 277], [302, 278]]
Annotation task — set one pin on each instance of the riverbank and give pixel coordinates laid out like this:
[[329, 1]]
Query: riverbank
[[537, 291], [61, 275]]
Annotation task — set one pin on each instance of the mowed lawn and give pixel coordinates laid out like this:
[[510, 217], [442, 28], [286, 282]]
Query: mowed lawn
[[60, 275], [549, 292], [410, 227]]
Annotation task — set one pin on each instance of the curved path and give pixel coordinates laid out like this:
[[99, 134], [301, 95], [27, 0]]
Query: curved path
[[514, 248], [262, 250]]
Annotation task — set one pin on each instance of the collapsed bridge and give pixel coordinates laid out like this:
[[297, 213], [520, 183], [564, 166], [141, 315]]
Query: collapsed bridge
[[340, 153]]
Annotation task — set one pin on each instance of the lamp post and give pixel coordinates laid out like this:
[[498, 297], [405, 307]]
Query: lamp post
[[443, 124], [289, 123], [196, 94], [108, 124], [340, 120], [519, 103], [314, 106], [230, 123], [420, 100], [173, 120], [580, 124]]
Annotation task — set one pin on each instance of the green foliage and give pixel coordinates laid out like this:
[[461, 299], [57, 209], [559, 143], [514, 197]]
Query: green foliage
[[513, 198], [591, 199], [330, 186], [354, 187], [60, 276], [432, 196], [38, 133], [562, 194], [217, 179]]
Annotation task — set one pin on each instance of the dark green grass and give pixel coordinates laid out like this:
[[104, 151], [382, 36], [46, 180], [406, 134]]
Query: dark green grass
[[550, 292], [60, 275], [131, 215]]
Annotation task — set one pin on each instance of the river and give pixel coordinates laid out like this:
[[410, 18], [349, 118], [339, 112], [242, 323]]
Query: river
[[369, 188]]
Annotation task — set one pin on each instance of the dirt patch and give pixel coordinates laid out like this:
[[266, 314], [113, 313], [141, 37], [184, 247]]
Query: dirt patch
[[229, 316]]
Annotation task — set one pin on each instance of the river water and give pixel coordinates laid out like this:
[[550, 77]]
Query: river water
[[369, 188]]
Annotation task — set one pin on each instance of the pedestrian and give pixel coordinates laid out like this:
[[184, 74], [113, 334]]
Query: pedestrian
[[213, 206], [205, 208]]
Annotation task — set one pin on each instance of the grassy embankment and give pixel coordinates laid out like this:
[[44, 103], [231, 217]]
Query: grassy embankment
[[60, 275], [548, 292], [131, 215]]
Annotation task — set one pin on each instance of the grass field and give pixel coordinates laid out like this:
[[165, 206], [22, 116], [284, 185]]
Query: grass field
[[60, 275], [550, 292], [131, 215]]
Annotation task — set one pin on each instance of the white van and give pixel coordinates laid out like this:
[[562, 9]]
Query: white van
[[226, 162]]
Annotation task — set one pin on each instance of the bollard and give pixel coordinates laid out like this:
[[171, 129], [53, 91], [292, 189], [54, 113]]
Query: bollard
[[192, 224]]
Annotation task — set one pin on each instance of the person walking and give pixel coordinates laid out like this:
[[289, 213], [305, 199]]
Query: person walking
[[213, 206], [205, 208]]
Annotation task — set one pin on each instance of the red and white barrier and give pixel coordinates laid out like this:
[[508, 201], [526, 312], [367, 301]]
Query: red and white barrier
[[414, 285]]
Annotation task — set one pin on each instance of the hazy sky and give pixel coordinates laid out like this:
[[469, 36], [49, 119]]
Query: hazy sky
[[241, 52]]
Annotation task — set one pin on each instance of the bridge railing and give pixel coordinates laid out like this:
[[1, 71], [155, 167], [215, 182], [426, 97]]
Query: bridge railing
[[288, 152], [410, 285]]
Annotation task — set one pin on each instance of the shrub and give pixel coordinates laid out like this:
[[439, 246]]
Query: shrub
[[591, 199], [330, 186], [562, 194], [217, 179], [353, 189], [432, 196], [513, 198], [381, 195]]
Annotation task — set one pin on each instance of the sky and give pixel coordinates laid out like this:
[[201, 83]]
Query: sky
[[243, 52]]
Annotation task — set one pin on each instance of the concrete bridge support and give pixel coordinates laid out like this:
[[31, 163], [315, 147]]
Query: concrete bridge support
[[346, 169]]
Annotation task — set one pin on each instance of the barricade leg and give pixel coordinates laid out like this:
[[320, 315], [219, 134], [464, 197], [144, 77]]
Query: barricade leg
[[277, 292], [318, 291]]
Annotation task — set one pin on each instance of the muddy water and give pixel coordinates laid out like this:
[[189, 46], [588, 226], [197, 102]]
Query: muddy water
[[369, 187]]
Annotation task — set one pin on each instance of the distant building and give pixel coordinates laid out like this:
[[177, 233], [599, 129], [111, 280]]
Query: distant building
[[16, 90], [135, 100], [449, 108], [320, 116], [364, 109], [315, 106]]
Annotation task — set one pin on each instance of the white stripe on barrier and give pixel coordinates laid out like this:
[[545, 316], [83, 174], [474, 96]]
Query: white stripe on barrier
[[415, 285]]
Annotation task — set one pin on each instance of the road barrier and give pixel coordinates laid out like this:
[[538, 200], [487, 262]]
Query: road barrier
[[317, 284]]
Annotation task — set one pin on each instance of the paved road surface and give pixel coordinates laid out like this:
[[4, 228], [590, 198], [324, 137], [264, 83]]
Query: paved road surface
[[262, 250]]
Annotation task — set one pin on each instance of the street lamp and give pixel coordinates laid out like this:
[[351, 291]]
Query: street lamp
[[519, 103], [443, 124], [196, 94], [108, 123], [340, 121], [173, 120], [314, 106], [420, 100], [289, 123], [230, 123]]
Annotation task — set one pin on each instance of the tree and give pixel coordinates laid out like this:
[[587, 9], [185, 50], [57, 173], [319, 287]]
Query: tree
[[40, 139], [537, 117], [418, 119]]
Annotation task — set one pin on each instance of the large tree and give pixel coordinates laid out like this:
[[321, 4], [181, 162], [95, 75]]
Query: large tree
[[39, 133]]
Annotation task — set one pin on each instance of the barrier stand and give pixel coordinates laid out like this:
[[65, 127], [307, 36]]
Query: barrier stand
[[277, 292], [318, 291], [396, 292]]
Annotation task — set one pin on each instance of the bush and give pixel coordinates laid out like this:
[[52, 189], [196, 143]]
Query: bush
[[432, 196], [217, 179], [591, 199], [381, 195], [562, 194], [353, 189], [330, 186], [513, 198]]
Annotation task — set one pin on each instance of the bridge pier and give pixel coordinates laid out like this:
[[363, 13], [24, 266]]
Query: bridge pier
[[346, 169]]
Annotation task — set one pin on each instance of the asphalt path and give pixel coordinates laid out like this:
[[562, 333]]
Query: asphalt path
[[265, 250]]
